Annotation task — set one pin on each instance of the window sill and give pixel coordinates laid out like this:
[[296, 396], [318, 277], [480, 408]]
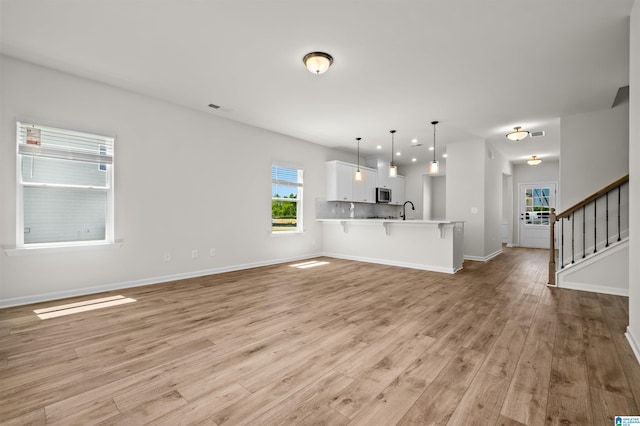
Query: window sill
[[21, 251], [275, 234]]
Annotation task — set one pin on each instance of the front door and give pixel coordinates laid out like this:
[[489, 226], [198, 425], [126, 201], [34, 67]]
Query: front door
[[536, 201]]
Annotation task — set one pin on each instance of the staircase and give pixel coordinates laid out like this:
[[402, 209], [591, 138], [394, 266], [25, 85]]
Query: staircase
[[592, 242]]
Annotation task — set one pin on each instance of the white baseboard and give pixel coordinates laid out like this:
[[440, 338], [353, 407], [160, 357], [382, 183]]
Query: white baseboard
[[46, 297], [634, 343], [594, 288], [395, 263], [485, 258]]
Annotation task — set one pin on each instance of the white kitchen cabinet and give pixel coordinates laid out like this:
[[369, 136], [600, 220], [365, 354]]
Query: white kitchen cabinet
[[396, 185], [342, 186], [398, 191], [382, 179], [339, 177], [364, 191]]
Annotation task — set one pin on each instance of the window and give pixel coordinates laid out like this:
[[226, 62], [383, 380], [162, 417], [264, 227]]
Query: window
[[537, 208], [286, 199], [65, 190]]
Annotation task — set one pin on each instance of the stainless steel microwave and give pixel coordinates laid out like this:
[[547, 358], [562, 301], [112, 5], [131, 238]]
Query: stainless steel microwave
[[383, 195]]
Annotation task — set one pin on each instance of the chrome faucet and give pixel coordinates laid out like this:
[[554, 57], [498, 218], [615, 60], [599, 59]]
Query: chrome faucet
[[404, 214]]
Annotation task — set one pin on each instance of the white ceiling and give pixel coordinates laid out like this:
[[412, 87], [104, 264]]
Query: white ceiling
[[480, 67]]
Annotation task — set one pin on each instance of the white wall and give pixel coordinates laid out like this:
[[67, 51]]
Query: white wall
[[594, 152], [607, 273], [438, 197], [465, 191], [547, 171], [633, 332], [414, 187], [184, 180], [427, 195], [495, 166], [507, 207]]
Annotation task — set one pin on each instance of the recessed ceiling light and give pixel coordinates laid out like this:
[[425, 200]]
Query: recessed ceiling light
[[414, 140], [414, 159], [430, 148], [398, 154], [379, 147], [444, 155]]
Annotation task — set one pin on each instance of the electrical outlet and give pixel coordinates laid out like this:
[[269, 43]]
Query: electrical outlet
[[194, 254], [167, 257], [212, 252]]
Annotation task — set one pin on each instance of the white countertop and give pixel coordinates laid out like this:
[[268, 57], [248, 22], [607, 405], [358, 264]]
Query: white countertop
[[408, 221]]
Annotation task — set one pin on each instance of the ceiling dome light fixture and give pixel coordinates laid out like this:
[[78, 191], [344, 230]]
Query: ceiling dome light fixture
[[518, 134], [434, 166], [534, 160], [393, 170], [358, 172], [317, 62]]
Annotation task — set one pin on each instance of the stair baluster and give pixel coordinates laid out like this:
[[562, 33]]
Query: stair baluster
[[595, 227], [584, 233]]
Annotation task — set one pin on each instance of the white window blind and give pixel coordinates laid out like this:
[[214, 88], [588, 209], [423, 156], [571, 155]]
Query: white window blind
[[64, 144], [65, 193]]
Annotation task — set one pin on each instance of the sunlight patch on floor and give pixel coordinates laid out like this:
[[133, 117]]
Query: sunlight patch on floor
[[84, 306], [310, 264]]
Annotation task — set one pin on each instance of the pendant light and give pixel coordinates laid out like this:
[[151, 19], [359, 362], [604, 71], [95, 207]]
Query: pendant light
[[518, 134], [393, 170], [534, 160], [358, 172], [434, 165]]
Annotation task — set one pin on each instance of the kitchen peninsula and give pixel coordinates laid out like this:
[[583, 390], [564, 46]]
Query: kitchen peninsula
[[432, 245]]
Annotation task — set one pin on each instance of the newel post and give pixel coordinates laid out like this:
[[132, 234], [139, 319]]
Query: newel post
[[552, 248]]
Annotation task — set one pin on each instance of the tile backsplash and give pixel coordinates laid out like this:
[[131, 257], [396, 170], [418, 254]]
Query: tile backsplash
[[342, 210]]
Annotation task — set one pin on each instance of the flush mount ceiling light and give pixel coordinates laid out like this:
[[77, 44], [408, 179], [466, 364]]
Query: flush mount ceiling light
[[434, 166], [534, 160], [358, 172], [393, 170], [518, 134], [317, 62]]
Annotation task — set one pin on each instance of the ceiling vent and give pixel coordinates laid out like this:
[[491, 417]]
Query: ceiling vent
[[537, 134]]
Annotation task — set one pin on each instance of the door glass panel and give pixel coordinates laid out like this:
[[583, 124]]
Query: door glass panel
[[537, 206]]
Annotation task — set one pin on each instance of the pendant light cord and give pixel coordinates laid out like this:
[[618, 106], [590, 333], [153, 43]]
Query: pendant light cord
[[434, 140], [392, 145]]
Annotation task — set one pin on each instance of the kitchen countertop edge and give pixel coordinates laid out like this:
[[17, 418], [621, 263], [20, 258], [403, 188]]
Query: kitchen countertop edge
[[416, 221]]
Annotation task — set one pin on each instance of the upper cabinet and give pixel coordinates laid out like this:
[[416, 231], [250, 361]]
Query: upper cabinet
[[364, 191], [398, 191], [342, 186], [395, 184]]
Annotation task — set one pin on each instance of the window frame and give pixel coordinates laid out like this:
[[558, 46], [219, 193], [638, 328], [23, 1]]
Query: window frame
[[109, 240], [298, 200]]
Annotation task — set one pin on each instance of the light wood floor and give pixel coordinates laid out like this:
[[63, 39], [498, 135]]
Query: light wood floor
[[344, 343]]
